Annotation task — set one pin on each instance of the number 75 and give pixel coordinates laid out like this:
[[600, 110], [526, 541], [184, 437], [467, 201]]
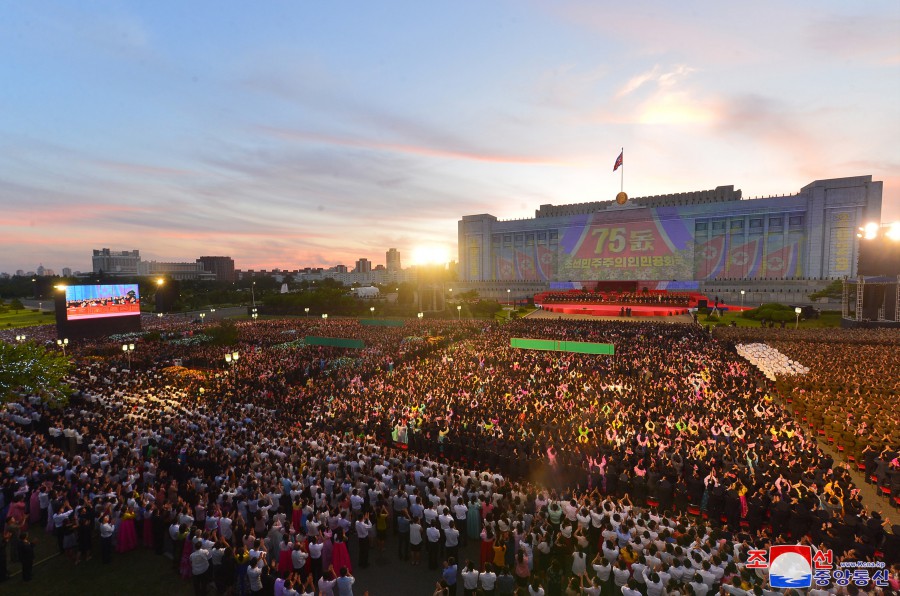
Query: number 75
[[613, 238]]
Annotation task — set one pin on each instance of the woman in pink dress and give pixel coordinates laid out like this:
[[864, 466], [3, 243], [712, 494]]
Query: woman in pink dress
[[127, 539], [148, 525], [185, 568], [327, 549], [297, 515], [340, 556], [34, 507], [285, 548]]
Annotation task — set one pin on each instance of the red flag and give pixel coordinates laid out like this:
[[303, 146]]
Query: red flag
[[618, 161]]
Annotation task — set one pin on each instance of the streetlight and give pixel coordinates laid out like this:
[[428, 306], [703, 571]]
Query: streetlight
[[306, 310], [159, 315], [20, 338], [742, 299], [63, 343], [212, 310], [421, 315], [458, 312], [254, 315], [507, 296], [231, 359], [798, 310], [372, 310], [202, 316], [128, 349], [325, 317], [253, 292]]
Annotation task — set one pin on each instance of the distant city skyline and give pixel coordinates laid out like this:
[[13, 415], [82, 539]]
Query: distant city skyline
[[300, 134]]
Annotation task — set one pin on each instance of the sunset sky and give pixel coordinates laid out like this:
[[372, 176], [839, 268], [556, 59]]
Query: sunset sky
[[298, 133]]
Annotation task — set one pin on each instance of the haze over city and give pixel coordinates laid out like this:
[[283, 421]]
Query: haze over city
[[299, 134]]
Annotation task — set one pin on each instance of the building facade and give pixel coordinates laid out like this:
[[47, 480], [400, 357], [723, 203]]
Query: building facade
[[702, 236], [223, 267], [177, 271], [392, 259], [116, 262], [363, 266]]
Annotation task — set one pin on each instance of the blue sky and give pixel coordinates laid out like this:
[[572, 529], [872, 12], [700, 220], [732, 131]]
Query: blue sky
[[288, 134]]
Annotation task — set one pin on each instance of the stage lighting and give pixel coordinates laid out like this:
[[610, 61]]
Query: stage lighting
[[893, 232], [871, 230]]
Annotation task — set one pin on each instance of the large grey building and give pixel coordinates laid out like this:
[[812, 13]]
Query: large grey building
[[703, 236], [116, 262]]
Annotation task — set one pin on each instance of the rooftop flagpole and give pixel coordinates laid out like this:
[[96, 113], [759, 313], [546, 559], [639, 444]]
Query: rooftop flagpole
[[622, 187]]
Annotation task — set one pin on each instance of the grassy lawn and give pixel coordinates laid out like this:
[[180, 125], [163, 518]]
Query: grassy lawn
[[827, 319], [25, 318], [136, 572]]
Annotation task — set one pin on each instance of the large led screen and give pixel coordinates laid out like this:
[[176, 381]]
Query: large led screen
[[651, 244], [97, 302]]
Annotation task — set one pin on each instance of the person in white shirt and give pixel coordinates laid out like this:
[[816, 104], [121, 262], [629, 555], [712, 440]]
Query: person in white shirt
[[363, 528], [620, 575], [200, 559], [298, 558], [655, 585], [602, 567], [700, 588], [254, 576], [106, 534], [451, 540], [487, 579], [469, 579], [315, 557], [326, 584], [735, 589]]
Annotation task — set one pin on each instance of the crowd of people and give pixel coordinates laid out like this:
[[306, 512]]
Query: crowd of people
[[654, 471], [654, 298]]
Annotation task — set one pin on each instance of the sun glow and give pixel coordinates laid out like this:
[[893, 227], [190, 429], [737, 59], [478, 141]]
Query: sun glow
[[430, 255]]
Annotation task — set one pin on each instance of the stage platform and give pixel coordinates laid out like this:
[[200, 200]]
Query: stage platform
[[614, 310]]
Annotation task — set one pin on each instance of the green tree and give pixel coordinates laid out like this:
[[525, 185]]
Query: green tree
[[223, 334], [29, 368], [833, 290], [16, 305]]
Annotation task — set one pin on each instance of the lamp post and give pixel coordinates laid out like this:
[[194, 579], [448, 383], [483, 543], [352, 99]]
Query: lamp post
[[420, 315], [20, 338], [231, 359], [507, 296], [160, 307], [253, 292], [372, 310], [63, 343], [458, 312], [128, 349], [325, 317], [306, 310], [798, 310], [254, 315], [742, 299], [159, 315], [202, 316]]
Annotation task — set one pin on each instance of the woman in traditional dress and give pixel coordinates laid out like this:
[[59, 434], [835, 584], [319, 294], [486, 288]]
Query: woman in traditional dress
[[340, 556], [127, 539]]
